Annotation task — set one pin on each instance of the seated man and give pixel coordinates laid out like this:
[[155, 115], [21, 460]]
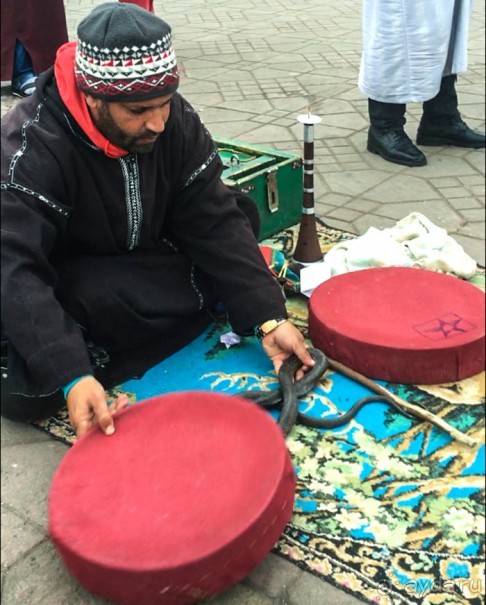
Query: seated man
[[118, 235]]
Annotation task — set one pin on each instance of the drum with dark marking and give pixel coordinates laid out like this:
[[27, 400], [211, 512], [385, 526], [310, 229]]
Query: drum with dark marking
[[401, 324]]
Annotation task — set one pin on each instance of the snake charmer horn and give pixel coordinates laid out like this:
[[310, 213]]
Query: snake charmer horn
[[308, 249]]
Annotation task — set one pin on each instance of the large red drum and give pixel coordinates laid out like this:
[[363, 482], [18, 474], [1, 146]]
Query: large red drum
[[400, 324], [191, 492]]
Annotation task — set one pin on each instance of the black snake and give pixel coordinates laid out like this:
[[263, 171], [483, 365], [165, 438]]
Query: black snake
[[289, 392]]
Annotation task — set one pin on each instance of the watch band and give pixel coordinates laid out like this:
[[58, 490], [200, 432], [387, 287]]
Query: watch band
[[268, 326]]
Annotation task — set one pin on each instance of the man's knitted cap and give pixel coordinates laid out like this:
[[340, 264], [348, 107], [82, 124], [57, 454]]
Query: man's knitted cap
[[125, 53]]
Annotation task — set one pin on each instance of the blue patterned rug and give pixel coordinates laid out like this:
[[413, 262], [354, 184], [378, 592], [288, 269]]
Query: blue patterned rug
[[388, 508]]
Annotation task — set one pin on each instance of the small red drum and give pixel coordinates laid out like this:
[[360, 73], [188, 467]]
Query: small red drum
[[400, 324], [192, 491]]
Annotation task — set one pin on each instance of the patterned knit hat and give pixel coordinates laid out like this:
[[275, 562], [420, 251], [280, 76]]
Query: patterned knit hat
[[125, 53]]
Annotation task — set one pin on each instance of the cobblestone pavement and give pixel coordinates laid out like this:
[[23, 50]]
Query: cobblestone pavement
[[250, 67]]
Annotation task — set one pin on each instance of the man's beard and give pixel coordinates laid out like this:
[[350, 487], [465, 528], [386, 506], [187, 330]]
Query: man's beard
[[108, 128]]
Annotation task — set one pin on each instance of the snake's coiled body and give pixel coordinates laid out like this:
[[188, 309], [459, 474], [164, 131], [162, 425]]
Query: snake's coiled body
[[289, 392]]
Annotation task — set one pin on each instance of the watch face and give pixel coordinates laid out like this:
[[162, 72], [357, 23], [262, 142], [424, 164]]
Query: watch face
[[268, 325]]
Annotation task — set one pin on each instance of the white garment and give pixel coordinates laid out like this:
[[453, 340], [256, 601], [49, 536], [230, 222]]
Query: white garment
[[406, 45]]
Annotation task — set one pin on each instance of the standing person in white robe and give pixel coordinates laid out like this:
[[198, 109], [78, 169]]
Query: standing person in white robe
[[412, 51]]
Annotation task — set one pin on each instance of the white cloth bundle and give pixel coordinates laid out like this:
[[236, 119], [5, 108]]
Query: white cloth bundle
[[413, 242]]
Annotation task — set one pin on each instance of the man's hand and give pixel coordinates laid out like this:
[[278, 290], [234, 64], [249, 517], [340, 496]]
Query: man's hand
[[87, 407], [284, 341]]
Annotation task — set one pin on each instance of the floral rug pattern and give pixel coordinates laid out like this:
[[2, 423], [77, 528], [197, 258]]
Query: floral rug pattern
[[388, 508]]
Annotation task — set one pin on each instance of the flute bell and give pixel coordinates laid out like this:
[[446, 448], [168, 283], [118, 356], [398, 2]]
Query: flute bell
[[308, 248]]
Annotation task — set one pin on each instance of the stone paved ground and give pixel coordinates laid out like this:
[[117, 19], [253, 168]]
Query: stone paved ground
[[250, 67]]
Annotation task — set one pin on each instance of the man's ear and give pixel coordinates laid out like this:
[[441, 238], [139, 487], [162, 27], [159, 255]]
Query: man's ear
[[92, 103]]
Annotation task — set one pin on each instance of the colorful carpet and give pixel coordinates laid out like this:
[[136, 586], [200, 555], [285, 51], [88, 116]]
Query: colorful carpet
[[388, 508]]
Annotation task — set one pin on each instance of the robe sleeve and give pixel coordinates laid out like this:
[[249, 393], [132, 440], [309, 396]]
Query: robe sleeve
[[215, 232], [45, 337]]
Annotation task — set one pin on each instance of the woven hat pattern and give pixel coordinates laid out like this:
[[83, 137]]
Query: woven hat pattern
[[141, 64]]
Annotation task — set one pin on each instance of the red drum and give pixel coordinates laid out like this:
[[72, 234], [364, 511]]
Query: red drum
[[182, 502], [400, 324]]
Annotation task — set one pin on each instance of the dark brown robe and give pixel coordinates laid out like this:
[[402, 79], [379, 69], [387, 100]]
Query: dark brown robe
[[129, 253]]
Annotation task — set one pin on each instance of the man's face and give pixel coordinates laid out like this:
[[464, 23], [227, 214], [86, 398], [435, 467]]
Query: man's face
[[133, 126]]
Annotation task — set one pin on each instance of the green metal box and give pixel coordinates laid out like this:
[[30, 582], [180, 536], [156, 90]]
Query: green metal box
[[273, 179]]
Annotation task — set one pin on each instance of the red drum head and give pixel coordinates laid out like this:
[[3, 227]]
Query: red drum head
[[400, 324], [182, 502]]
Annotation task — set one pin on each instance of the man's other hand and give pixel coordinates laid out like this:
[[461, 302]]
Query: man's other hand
[[87, 407]]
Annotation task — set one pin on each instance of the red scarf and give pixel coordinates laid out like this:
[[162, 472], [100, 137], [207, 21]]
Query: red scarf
[[74, 100]]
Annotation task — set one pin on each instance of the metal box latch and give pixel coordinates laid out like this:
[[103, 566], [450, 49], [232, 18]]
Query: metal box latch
[[272, 190]]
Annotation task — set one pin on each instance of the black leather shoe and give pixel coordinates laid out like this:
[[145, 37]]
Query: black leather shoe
[[457, 133], [395, 146]]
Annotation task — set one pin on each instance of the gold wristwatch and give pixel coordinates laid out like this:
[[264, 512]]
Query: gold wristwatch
[[268, 326]]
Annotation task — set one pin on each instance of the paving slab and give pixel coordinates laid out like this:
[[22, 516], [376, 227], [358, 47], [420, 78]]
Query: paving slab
[[38, 578], [274, 576], [16, 433], [27, 472], [23, 535]]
